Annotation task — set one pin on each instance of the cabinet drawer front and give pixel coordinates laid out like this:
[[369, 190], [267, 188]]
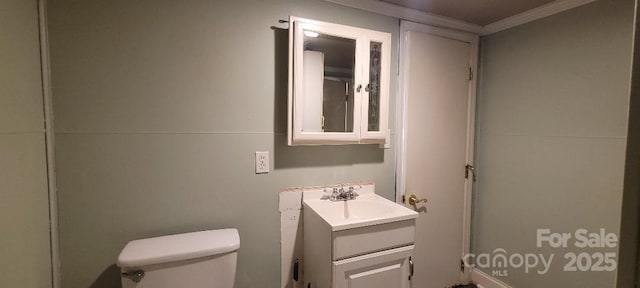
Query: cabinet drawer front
[[384, 269], [369, 239]]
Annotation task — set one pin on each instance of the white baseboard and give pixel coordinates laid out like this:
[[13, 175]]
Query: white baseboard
[[484, 280]]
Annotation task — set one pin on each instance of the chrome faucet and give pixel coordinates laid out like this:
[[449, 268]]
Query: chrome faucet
[[343, 195]]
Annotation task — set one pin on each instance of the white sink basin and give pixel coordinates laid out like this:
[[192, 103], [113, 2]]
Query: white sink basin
[[367, 209]]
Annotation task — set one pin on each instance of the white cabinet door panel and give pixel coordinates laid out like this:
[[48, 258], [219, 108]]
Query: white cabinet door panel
[[390, 268]]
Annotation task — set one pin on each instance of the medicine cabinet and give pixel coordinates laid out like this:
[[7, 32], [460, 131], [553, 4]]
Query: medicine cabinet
[[338, 84]]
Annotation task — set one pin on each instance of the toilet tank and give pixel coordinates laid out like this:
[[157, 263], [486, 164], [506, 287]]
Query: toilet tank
[[191, 260]]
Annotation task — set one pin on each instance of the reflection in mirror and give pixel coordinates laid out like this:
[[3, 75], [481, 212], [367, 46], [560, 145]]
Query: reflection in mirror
[[329, 63]]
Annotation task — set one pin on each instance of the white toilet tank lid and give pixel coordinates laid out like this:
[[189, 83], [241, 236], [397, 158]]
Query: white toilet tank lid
[[178, 247]]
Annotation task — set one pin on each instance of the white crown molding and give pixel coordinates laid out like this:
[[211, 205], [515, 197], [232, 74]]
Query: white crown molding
[[413, 15], [533, 14]]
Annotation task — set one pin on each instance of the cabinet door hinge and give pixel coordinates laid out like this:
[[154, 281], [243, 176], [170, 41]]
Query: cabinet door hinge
[[296, 270], [470, 73], [469, 168], [461, 265], [410, 268]]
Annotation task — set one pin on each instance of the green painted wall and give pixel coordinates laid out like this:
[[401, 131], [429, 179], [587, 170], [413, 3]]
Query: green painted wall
[[25, 259], [552, 132], [159, 107]]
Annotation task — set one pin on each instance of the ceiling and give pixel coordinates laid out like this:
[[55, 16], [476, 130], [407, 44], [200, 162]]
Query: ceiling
[[480, 12]]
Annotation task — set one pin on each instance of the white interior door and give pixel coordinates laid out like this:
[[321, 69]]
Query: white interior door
[[437, 142]]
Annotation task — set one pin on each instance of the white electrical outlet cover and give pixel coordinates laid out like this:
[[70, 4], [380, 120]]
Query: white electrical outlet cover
[[262, 162]]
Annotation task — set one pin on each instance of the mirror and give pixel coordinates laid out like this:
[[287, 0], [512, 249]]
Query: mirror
[[329, 68]]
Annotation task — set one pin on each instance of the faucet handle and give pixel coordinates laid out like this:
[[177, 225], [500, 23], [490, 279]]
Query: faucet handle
[[332, 191], [351, 194], [335, 194]]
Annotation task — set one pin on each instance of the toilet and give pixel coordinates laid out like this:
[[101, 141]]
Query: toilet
[[191, 260]]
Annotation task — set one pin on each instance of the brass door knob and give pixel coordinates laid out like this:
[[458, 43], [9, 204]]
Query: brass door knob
[[413, 200]]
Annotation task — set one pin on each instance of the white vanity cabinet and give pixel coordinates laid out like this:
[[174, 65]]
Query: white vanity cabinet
[[338, 84], [363, 243]]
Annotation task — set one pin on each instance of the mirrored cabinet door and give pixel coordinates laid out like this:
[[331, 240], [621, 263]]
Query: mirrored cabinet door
[[329, 68], [326, 103], [335, 71]]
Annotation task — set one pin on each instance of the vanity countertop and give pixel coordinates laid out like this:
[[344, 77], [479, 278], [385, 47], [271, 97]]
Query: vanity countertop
[[366, 210]]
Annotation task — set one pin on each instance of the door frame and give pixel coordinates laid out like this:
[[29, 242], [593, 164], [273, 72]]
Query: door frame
[[49, 133], [401, 117]]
